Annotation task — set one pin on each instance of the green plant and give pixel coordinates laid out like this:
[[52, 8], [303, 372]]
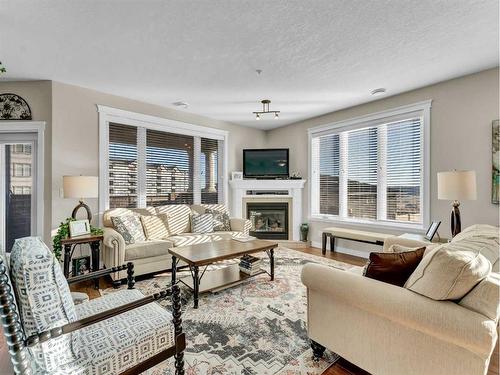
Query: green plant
[[63, 232]]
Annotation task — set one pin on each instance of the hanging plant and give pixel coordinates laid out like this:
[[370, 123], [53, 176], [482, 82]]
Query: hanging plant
[[63, 232]]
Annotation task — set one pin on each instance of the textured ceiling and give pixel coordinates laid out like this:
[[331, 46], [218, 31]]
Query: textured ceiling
[[317, 56]]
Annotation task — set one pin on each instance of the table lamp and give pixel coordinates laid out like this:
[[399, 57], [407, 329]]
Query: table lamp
[[81, 187], [455, 186]]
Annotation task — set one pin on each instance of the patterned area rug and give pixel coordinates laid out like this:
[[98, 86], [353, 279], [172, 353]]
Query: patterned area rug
[[255, 328]]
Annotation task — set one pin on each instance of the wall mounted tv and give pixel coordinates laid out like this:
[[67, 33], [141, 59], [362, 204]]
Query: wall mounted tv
[[265, 163]]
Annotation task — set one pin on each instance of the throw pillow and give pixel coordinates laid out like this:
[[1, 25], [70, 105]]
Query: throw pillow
[[155, 227], [130, 227], [202, 223], [448, 274], [221, 220], [393, 268]]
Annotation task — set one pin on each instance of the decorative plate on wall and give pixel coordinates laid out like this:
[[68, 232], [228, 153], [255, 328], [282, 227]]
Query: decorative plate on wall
[[13, 107]]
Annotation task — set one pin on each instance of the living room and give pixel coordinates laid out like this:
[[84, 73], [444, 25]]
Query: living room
[[273, 187]]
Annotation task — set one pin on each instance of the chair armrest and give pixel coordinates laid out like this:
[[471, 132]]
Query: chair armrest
[[129, 267], [85, 322], [395, 240], [444, 320], [240, 225]]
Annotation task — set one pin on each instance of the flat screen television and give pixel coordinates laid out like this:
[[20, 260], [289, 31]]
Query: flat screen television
[[265, 163]]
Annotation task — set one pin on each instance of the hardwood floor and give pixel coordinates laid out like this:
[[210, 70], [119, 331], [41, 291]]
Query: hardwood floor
[[341, 367]]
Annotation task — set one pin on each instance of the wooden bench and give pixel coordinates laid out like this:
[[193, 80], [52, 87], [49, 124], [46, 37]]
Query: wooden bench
[[353, 235]]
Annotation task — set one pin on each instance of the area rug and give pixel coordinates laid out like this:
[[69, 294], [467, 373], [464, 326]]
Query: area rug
[[255, 328]]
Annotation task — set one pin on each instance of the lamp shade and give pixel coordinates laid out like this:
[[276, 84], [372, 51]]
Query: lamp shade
[[457, 185], [81, 187]]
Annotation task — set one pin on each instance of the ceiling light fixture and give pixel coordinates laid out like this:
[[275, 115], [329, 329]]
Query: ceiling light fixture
[[265, 110], [379, 91]]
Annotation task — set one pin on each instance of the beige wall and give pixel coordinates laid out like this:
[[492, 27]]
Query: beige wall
[[461, 116], [75, 148], [38, 94]]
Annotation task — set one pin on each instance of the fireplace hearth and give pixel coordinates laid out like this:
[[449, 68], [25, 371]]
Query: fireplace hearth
[[269, 220]]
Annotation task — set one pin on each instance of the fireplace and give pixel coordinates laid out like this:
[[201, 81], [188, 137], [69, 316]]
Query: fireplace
[[269, 220]]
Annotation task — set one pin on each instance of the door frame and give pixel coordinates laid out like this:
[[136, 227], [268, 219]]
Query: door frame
[[38, 127]]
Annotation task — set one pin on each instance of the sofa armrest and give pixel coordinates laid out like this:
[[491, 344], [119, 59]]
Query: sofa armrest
[[240, 225], [444, 320], [114, 248], [395, 240]]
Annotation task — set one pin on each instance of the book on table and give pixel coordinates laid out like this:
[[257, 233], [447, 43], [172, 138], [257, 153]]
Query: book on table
[[250, 264]]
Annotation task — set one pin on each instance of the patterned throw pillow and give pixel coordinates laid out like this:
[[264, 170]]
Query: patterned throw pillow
[[155, 227], [221, 220], [130, 227], [202, 223]]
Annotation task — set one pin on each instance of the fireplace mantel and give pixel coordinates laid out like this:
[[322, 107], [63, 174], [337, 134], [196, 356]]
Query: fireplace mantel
[[274, 190]]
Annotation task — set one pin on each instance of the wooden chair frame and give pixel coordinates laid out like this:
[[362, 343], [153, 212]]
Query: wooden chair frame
[[18, 343]]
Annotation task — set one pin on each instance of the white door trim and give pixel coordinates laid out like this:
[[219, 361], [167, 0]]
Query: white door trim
[[37, 127]]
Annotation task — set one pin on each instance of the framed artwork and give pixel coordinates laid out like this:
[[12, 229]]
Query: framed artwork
[[79, 228], [429, 235], [81, 265], [495, 170]]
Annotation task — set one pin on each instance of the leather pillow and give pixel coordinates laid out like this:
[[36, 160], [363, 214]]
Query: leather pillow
[[393, 268]]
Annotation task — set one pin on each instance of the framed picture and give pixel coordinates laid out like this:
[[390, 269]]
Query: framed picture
[[79, 228], [429, 235], [81, 265], [236, 175], [495, 170]]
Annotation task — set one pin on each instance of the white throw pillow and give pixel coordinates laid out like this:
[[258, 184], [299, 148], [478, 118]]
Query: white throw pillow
[[202, 223], [155, 227], [448, 274]]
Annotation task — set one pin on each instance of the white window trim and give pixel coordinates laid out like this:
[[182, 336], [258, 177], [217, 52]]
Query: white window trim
[[423, 109], [120, 116], [37, 127]]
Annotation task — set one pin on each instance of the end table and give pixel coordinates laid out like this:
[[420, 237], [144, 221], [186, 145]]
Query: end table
[[69, 246]]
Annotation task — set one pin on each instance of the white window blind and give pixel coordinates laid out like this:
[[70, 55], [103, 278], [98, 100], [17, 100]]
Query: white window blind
[[370, 172], [169, 168], [122, 166]]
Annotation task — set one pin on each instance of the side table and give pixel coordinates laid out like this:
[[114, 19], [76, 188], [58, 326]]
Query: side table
[[69, 246]]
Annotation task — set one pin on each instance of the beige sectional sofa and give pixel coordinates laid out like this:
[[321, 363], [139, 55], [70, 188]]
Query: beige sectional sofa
[[152, 255], [390, 330]]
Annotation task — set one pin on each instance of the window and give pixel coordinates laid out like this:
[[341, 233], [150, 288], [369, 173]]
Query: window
[[22, 149], [372, 170], [151, 161], [21, 170]]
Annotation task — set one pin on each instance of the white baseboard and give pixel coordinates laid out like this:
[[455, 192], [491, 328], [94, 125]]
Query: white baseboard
[[344, 250]]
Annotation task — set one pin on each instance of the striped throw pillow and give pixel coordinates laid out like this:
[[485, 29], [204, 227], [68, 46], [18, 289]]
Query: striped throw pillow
[[202, 223]]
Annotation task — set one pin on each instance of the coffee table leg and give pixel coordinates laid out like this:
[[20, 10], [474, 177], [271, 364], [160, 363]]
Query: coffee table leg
[[196, 284], [271, 261], [174, 269]]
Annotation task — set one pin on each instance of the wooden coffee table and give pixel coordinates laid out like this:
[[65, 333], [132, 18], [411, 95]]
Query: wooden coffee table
[[205, 254]]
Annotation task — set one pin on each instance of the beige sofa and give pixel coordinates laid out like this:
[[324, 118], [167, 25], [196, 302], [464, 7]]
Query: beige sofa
[[389, 330], [152, 255]]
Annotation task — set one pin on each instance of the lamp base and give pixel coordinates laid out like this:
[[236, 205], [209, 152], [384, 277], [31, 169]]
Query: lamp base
[[84, 206], [456, 224]]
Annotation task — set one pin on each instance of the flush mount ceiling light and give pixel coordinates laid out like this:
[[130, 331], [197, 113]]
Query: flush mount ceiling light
[[180, 104], [379, 91], [265, 110]]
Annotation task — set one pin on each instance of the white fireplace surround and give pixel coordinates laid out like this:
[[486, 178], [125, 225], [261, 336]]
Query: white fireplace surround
[[293, 188]]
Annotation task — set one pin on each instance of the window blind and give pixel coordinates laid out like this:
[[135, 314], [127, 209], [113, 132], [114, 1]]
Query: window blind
[[362, 158], [169, 168], [403, 170], [209, 164], [329, 166], [122, 166]]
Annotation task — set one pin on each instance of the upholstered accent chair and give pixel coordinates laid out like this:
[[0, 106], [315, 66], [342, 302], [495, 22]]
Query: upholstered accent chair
[[120, 333]]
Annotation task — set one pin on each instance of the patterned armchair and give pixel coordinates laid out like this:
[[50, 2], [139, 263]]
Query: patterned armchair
[[120, 333]]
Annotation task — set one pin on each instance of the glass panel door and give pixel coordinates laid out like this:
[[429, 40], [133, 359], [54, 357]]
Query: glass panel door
[[17, 187]]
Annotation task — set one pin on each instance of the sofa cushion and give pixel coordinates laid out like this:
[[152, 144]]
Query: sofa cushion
[[43, 298], [147, 249], [155, 226], [178, 217], [449, 272], [393, 268], [108, 214], [484, 298], [202, 223], [225, 235], [190, 239], [483, 238], [130, 228]]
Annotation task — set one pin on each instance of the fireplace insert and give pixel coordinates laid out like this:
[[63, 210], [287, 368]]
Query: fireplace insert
[[269, 220]]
